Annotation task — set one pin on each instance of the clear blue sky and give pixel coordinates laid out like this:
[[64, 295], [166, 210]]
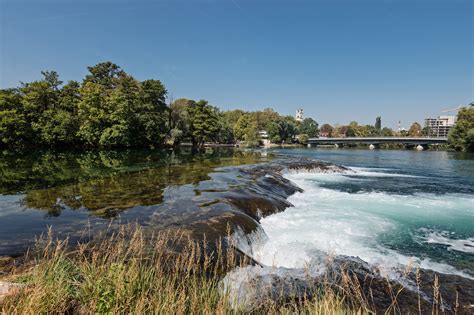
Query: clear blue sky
[[339, 60]]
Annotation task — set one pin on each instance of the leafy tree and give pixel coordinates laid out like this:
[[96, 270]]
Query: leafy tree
[[303, 138], [415, 130], [427, 132], [309, 127], [387, 132], [106, 74], [204, 124], [461, 136], [180, 120], [326, 130], [282, 130], [14, 128], [93, 113], [152, 113], [245, 129]]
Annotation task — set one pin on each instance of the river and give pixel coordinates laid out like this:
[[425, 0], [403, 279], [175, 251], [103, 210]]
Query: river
[[397, 207]]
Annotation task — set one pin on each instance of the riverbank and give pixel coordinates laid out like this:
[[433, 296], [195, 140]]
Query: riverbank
[[205, 263]]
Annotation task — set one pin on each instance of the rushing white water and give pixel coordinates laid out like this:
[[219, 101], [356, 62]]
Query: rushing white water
[[387, 230]]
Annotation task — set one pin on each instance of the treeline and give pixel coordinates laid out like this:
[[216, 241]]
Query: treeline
[[353, 129], [110, 108]]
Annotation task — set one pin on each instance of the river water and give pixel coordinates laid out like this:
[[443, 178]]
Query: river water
[[397, 207]]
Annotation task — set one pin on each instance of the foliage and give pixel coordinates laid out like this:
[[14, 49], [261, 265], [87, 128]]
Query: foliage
[[327, 130], [282, 130], [303, 138], [110, 108], [461, 136], [415, 130], [203, 122], [309, 127]]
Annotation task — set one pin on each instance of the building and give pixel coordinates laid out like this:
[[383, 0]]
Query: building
[[264, 139], [440, 126], [299, 115]]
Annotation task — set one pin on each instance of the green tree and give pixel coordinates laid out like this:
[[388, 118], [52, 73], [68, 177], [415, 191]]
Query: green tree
[[427, 131], [152, 114], [461, 136], [204, 124], [303, 138], [309, 127], [14, 128], [281, 130], [93, 113], [106, 74], [387, 132], [245, 129]]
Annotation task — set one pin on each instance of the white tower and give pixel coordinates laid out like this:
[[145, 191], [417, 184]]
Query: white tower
[[299, 115]]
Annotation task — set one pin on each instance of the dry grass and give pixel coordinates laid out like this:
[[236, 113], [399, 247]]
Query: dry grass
[[130, 271]]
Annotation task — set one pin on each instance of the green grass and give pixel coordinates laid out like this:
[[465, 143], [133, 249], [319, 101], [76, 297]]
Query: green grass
[[132, 272]]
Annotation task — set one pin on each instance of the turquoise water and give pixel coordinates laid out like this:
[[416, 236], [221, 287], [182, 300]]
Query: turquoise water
[[395, 208]]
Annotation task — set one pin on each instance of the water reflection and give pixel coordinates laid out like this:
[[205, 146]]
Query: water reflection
[[107, 182]]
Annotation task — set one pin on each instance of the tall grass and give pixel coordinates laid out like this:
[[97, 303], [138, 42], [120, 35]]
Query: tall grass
[[132, 272]]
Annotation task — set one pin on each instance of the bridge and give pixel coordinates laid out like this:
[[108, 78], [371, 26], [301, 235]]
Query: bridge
[[374, 142]]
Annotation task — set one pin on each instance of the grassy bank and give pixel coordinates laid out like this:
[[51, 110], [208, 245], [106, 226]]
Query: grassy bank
[[131, 272]]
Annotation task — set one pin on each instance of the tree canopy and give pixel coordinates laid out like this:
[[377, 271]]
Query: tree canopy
[[461, 136]]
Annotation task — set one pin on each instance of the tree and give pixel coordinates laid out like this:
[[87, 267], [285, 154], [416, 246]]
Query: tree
[[326, 130], [204, 125], [309, 127], [152, 113], [415, 130], [245, 129], [303, 138], [281, 130], [461, 136], [378, 125], [14, 129], [427, 132], [387, 132], [93, 113], [106, 74]]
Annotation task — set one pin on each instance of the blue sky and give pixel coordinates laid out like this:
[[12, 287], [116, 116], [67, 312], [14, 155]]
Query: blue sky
[[339, 60]]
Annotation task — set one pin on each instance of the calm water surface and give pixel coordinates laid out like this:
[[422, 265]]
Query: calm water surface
[[83, 192]]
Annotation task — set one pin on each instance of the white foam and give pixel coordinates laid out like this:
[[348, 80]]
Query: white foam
[[334, 222], [376, 172], [443, 238]]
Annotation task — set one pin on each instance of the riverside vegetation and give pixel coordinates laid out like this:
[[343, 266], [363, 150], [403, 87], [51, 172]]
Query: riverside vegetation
[[110, 108], [134, 272]]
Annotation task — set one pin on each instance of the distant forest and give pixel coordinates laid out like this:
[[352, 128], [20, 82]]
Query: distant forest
[[110, 108]]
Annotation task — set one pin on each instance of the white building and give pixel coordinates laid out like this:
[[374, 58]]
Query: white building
[[440, 126], [299, 115]]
